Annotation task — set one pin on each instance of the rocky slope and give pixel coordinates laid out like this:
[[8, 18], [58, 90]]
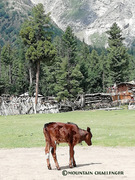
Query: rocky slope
[[91, 18]]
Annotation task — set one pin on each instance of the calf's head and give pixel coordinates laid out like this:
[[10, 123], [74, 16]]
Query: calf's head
[[88, 137]]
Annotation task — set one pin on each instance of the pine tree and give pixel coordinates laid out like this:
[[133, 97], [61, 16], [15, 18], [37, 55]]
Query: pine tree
[[94, 79], [131, 51], [69, 76], [38, 41], [84, 56], [7, 62], [105, 70], [48, 80], [118, 55]]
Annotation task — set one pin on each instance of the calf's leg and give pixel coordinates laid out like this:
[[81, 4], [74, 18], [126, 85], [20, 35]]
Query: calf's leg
[[74, 163], [72, 160], [53, 151], [47, 154]]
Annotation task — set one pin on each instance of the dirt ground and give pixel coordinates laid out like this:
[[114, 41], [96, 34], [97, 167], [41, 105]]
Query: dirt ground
[[92, 163]]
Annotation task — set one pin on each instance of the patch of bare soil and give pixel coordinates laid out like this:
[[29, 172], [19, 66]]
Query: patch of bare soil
[[92, 163]]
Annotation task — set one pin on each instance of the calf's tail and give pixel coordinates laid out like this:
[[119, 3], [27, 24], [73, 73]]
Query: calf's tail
[[47, 135]]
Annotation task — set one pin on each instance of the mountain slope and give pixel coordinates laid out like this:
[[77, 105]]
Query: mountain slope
[[88, 17], [12, 14]]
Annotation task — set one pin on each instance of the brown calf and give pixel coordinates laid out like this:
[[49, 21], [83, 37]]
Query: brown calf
[[70, 133]]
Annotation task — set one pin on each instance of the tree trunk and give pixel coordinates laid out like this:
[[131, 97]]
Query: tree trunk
[[30, 74], [37, 83]]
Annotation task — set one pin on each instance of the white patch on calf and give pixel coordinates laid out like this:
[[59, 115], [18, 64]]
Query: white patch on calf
[[47, 156], [51, 149]]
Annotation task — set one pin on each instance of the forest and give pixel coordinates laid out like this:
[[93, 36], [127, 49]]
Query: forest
[[50, 62]]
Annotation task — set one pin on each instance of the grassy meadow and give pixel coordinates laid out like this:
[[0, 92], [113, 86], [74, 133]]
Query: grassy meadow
[[109, 128]]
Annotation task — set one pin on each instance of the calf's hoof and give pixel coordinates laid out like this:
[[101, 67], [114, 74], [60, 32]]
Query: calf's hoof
[[74, 165], [49, 167], [70, 166], [58, 168]]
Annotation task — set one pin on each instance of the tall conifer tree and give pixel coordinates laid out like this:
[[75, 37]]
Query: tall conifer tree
[[38, 40], [118, 55], [69, 76], [94, 79]]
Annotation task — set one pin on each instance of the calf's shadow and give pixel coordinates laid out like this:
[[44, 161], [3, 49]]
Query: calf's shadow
[[78, 165]]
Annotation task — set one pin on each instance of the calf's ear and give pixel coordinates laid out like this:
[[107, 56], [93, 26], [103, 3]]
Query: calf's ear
[[88, 129]]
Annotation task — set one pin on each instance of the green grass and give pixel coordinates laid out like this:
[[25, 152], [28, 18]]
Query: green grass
[[109, 128]]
